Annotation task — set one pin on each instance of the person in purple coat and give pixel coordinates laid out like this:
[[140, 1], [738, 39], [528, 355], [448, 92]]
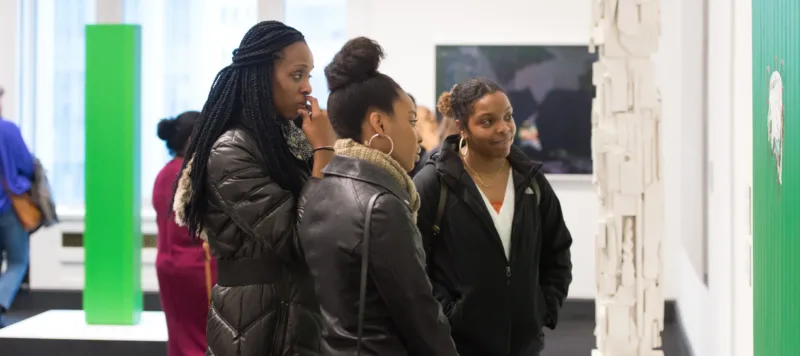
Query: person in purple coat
[[16, 174]]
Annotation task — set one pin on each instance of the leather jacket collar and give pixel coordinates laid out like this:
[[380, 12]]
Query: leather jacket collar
[[353, 168]]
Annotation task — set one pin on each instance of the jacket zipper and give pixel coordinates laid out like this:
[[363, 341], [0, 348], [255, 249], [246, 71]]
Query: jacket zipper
[[508, 303], [518, 193]]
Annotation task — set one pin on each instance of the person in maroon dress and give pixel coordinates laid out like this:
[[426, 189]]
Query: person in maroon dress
[[184, 267]]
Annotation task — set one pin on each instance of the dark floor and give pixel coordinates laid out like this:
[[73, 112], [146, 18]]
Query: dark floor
[[576, 338], [571, 338]]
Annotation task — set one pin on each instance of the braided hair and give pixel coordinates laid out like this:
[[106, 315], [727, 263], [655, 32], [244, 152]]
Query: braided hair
[[242, 94]]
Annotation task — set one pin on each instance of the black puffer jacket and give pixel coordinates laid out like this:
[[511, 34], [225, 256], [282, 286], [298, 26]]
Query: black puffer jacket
[[264, 302], [496, 306], [402, 317]]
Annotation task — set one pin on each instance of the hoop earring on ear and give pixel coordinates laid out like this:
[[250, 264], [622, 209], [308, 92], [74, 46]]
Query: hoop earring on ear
[[462, 145], [391, 142]]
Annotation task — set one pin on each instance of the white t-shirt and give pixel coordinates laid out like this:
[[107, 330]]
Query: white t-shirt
[[505, 217]]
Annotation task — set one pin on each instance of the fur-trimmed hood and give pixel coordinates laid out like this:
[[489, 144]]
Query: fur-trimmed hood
[[183, 195]]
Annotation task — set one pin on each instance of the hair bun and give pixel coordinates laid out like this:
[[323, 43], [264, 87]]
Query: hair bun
[[357, 61], [444, 105], [167, 129]]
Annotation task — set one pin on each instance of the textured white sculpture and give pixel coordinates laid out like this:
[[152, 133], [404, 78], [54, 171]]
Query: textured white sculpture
[[625, 148]]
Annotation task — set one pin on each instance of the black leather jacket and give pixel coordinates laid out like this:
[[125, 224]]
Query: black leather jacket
[[402, 317], [263, 303]]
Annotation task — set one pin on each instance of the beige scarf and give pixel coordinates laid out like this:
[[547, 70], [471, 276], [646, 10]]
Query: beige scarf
[[350, 148]]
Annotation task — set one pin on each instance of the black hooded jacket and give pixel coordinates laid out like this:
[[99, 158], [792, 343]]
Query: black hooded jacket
[[496, 305]]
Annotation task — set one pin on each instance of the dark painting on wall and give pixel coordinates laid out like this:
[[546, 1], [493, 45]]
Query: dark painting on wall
[[550, 88]]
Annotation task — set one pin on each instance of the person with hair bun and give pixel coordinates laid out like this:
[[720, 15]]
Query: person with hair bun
[[497, 246], [259, 144], [359, 236], [184, 268]]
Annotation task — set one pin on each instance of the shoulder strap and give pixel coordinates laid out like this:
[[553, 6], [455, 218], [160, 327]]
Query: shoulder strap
[[362, 295], [440, 208], [536, 191], [209, 280]]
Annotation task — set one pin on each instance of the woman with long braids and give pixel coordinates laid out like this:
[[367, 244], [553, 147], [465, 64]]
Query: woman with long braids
[[248, 165]]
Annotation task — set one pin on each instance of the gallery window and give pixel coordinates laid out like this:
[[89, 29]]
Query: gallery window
[[53, 121], [324, 24], [184, 44]]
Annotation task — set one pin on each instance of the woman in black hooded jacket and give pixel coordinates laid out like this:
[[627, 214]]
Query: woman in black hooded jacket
[[498, 248]]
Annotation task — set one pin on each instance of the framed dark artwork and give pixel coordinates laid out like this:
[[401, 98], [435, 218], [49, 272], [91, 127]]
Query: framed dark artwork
[[550, 88]]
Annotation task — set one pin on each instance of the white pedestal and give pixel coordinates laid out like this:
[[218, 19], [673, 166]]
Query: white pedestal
[[65, 332], [649, 353]]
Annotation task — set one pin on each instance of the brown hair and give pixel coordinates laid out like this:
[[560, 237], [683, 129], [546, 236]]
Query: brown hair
[[459, 102], [443, 105]]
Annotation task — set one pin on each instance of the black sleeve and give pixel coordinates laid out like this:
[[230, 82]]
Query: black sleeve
[[292, 246], [396, 267], [427, 184], [252, 200], [429, 188], [555, 268]]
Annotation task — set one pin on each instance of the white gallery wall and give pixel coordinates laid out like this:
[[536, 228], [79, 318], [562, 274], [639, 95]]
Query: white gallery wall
[[716, 314], [742, 156], [682, 61]]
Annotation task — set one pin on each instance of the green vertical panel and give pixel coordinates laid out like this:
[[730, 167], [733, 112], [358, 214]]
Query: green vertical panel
[[776, 197], [112, 238]]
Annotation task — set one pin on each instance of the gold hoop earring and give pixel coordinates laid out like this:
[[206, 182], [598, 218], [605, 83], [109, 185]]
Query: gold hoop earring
[[391, 142], [462, 146]]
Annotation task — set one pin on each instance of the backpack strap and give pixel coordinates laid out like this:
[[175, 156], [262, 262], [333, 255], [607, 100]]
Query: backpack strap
[[437, 223], [440, 208], [536, 191], [362, 293]]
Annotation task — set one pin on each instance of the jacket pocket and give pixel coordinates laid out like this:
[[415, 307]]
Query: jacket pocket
[[541, 307], [454, 310]]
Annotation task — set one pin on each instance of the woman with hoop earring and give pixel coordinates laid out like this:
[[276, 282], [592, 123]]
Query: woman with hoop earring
[[497, 246], [359, 236]]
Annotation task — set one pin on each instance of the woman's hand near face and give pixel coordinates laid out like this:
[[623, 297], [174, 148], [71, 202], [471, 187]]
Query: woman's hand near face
[[320, 135], [316, 125]]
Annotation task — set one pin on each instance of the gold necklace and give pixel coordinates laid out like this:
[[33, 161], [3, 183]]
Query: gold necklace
[[478, 176]]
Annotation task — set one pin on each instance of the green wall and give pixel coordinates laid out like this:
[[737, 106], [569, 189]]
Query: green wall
[[112, 238], [776, 205]]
